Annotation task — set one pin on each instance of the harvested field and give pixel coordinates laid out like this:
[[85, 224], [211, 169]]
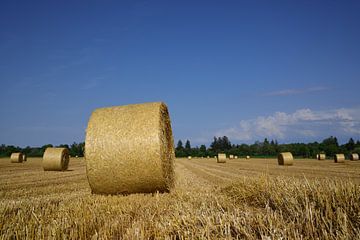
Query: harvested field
[[244, 198]]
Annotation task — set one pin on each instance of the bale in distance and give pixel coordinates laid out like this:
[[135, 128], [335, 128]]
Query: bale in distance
[[339, 158], [130, 149], [16, 158], [221, 158], [285, 158], [231, 156], [24, 157], [354, 156], [321, 156], [189, 157], [317, 156], [236, 157], [247, 157], [55, 159]]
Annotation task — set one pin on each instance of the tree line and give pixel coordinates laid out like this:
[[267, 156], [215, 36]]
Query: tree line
[[75, 149], [266, 148]]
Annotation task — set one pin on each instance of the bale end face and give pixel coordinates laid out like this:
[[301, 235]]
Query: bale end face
[[285, 159], [130, 149], [56, 159]]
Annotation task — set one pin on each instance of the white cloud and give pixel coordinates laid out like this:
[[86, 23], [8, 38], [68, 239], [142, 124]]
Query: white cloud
[[303, 123]]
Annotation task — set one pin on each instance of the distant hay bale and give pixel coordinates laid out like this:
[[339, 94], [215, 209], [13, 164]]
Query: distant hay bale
[[317, 156], [221, 158], [16, 158], [236, 157], [354, 156], [130, 149], [231, 156], [321, 156], [55, 159], [208, 157], [339, 158], [189, 157], [24, 157], [285, 158], [247, 157]]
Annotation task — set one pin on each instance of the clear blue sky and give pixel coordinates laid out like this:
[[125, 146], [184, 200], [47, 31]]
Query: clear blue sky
[[286, 70]]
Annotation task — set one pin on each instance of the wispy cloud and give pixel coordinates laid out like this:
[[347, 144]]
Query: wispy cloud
[[303, 123], [286, 92], [93, 83]]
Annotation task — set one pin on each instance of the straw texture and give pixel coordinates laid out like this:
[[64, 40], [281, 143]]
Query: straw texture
[[321, 156], [339, 158], [221, 158], [130, 149], [354, 156], [56, 159], [286, 158], [16, 158]]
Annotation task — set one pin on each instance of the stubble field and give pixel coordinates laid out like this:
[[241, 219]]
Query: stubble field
[[241, 199]]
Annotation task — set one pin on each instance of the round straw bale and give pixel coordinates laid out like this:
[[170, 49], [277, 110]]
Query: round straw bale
[[321, 156], [285, 158], [317, 156], [221, 158], [247, 157], [354, 156], [231, 156], [236, 157], [189, 157], [24, 157], [56, 159], [339, 158], [130, 149], [16, 158]]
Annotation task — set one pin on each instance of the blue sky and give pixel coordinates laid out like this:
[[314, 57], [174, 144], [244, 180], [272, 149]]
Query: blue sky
[[286, 70]]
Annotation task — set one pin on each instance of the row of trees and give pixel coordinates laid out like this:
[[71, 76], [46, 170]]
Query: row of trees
[[266, 148], [75, 149]]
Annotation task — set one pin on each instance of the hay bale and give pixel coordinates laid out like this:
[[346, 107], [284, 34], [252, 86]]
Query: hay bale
[[317, 156], [321, 156], [189, 157], [247, 157], [208, 157], [16, 158], [339, 158], [24, 157], [285, 158], [55, 159], [354, 156], [221, 158], [130, 149], [231, 156], [236, 157]]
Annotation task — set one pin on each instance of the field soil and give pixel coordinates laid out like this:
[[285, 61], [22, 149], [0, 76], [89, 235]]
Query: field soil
[[239, 199]]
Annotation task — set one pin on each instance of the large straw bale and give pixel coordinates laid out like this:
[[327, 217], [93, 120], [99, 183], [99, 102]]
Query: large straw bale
[[286, 158], [221, 158], [339, 158], [16, 158], [130, 149], [321, 156], [354, 156], [56, 159]]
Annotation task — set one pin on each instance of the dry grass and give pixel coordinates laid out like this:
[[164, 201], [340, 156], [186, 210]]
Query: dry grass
[[249, 199]]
